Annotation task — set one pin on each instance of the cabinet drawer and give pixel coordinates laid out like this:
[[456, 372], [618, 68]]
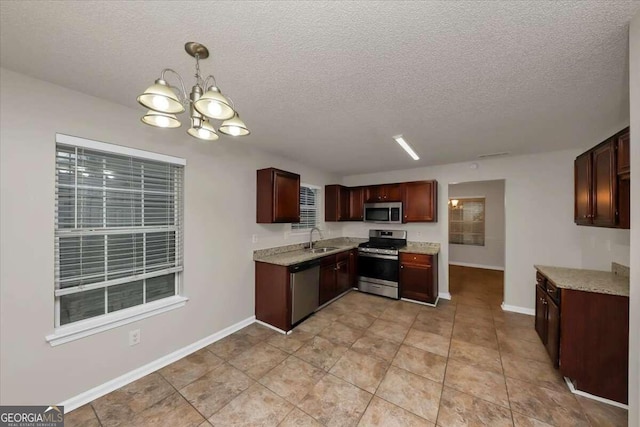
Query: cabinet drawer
[[553, 291], [328, 260], [420, 259], [541, 280]]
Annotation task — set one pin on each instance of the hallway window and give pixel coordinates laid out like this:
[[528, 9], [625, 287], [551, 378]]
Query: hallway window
[[118, 229], [466, 221]]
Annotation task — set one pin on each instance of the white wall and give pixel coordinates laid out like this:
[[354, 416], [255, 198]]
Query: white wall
[[219, 222], [634, 321], [539, 214], [491, 255]]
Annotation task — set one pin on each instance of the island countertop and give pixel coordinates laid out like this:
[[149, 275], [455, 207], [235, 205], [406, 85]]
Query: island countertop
[[602, 282]]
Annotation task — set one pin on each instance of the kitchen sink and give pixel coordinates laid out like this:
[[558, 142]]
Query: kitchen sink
[[321, 250]]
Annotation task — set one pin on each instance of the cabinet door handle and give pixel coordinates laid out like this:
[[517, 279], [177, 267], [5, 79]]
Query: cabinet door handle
[[402, 266]]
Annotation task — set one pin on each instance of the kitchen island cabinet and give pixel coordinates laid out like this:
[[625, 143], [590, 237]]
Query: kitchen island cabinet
[[582, 318]]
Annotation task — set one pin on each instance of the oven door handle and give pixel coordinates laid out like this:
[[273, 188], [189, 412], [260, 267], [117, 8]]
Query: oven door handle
[[368, 255]]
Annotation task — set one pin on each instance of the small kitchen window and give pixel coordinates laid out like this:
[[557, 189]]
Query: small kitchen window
[[308, 208], [466, 221], [118, 236]]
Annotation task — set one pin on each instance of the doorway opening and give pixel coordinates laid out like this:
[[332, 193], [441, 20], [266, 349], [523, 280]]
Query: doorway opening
[[477, 242]]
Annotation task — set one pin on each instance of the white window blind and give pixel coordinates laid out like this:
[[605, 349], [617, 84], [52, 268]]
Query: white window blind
[[118, 230], [466, 222], [308, 209]]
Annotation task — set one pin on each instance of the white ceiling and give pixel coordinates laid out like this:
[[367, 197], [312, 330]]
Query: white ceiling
[[329, 83]]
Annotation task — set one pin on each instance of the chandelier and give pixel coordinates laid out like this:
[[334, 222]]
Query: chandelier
[[205, 103]]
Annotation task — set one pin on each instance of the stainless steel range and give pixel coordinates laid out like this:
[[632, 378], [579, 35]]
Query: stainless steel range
[[378, 262]]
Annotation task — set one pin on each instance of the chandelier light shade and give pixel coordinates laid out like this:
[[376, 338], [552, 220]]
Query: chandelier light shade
[[159, 97], [234, 127], [205, 132], [164, 101], [214, 105], [161, 120]]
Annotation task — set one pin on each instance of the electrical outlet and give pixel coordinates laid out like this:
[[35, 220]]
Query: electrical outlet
[[254, 238], [134, 337]]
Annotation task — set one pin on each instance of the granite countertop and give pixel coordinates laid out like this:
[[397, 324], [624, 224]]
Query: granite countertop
[[295, 254], [602, 282], [421, 248]]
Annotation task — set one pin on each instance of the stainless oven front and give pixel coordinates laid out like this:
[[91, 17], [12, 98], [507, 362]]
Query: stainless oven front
[[378, 274]]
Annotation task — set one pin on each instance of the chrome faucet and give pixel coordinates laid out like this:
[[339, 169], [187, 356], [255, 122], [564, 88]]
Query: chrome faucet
[[311, 236]]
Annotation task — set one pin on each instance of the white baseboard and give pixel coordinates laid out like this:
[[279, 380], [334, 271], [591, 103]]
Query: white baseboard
[[593, 397], [486, 267], [421, 302], [114, 384], [444, 295], [272, 327], [516, 309]]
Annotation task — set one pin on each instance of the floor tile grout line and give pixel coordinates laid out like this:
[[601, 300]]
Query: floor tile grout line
[[446, 367], [96, 414]]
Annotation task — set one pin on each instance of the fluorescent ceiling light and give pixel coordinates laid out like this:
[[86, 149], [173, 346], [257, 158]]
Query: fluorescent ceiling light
[[400, 140]]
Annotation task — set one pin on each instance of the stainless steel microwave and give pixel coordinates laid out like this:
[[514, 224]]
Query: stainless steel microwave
[[383, 213]]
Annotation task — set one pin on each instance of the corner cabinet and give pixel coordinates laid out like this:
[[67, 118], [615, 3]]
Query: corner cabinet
[[277, 196], [336, 203], [419, 277], [602, 197]]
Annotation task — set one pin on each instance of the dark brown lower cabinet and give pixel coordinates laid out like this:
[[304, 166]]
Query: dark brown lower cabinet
[[594, 343], [273, 286], [587, 336], [327, 280], [335, 276], [419, 277]]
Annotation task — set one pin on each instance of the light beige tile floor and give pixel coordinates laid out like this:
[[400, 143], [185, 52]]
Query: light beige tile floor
[[367, 361]]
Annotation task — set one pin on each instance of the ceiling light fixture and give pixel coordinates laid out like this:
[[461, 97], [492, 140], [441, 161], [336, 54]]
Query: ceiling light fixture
[[205, 103], [400, 140]]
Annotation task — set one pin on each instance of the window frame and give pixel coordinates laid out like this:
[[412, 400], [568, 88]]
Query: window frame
[[483, 199], [318, 192], [82, 328]]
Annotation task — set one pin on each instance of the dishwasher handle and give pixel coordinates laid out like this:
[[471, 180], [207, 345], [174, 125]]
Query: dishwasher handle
[[304, 266]]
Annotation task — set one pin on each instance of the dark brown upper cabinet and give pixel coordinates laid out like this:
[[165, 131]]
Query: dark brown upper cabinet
[[420, 201], [336, 203], [624, 154], [604, 185], [278, 196], [384, 193], [601, 197], [582, 179], [356, 203]]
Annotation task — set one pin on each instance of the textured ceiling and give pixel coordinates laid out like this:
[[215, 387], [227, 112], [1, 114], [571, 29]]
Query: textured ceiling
[[329, 83]]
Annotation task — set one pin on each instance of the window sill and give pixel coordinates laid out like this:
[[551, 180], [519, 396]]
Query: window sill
[[85, 328]]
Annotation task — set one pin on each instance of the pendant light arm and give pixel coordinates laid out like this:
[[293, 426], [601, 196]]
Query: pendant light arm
[[184, 91], [206, 82]]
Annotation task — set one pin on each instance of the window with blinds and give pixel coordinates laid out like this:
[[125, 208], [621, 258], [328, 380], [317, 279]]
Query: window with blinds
[[466, 221], [118, 230], [308, 209]]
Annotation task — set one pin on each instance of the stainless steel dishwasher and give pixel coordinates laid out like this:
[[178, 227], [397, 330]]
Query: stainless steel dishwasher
[[305, 289]]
